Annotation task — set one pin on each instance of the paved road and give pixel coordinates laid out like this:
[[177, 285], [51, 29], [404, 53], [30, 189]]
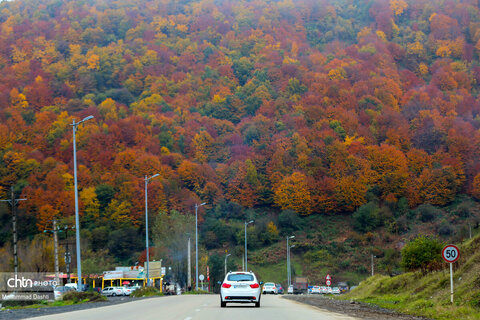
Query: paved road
[[201, 307]]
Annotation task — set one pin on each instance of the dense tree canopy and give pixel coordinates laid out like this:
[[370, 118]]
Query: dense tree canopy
[[307, 106]]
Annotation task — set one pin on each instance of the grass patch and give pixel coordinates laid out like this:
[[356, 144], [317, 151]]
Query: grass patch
[[197, 292], [428, 294], [84, 296], [69, 298]]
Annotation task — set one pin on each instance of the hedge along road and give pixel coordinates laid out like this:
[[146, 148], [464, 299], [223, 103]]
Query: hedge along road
[[201, 307]]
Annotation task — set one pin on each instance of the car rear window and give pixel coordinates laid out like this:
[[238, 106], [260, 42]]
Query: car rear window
[[240, 277]]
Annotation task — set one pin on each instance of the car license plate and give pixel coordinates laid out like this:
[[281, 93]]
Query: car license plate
[[239, 286]]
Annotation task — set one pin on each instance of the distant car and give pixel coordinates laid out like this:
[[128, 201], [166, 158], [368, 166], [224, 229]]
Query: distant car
[[113, 291], [269, 287], [83, 287], [127, 290], [343, 286], [323, 290], [316, 290], [329, 290], [59, 291], [336, 290], [290, 289], [240, 287], [280, 289]]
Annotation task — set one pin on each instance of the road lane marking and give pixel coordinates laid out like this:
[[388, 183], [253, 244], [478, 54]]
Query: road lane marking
[[198, 310], [188, 318]]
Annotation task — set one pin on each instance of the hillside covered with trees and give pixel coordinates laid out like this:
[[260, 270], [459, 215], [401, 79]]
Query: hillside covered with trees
[[362, 113]]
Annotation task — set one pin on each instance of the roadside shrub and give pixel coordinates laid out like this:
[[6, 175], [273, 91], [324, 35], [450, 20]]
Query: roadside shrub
[[146, 292], [85, 296], [423, 253]]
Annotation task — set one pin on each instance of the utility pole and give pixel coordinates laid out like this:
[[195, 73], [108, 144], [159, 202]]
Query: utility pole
[[246, 259], [68, 256], [373, 271], [55, 250], [189, 284], [13, 203]]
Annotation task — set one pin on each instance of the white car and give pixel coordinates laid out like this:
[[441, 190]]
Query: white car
[[323, 290], [240, 287], [59, 291], [336, 290], [316, 289], [113, 291], [127, 290], [269, 287], [290, 289]]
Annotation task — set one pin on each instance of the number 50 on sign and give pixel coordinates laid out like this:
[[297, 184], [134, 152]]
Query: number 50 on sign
[[450, 253]]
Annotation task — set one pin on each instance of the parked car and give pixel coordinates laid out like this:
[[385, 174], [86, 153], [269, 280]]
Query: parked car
[[336, 290], [113, 291], [329, 290], [127, 290], [323, 290], [280, 289], [240, 287], [316, 290], [290, 289], [269, 287], [83, 287], [59, 291]]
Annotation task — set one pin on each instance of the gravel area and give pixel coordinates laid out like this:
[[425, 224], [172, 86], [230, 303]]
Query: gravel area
[[14, 314], [351, 308]]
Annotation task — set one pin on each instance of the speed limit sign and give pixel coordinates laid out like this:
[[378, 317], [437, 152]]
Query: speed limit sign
[[328, 283], [450, 253]]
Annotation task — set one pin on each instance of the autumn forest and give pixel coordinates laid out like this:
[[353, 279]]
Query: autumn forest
[[362, 112]]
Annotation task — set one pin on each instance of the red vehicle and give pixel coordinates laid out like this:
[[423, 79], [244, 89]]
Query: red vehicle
[[300, 285]]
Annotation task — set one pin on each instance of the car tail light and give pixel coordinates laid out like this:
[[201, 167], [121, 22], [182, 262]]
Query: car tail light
[[226, 285], [255, 285]]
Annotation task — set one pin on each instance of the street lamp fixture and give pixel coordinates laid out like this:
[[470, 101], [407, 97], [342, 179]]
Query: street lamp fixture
[[147, 180], [77, 219], [196, 242], [246, 263], [228, 255], [288, 261]]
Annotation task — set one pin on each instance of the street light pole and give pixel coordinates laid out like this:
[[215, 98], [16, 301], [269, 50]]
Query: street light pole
[[146, 223], [288, 260], [289, 265], [246, 262], [196, 243], [77, 219], [226, 263]]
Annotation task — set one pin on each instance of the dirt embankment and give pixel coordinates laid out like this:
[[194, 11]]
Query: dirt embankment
[[351, 308]]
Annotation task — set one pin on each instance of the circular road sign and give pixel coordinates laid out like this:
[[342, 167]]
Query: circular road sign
[[328, 282], [450, 253], [201, 277]]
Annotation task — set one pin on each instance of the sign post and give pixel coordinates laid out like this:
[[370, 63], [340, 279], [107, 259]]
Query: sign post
[[450, 254], [328, 280]]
